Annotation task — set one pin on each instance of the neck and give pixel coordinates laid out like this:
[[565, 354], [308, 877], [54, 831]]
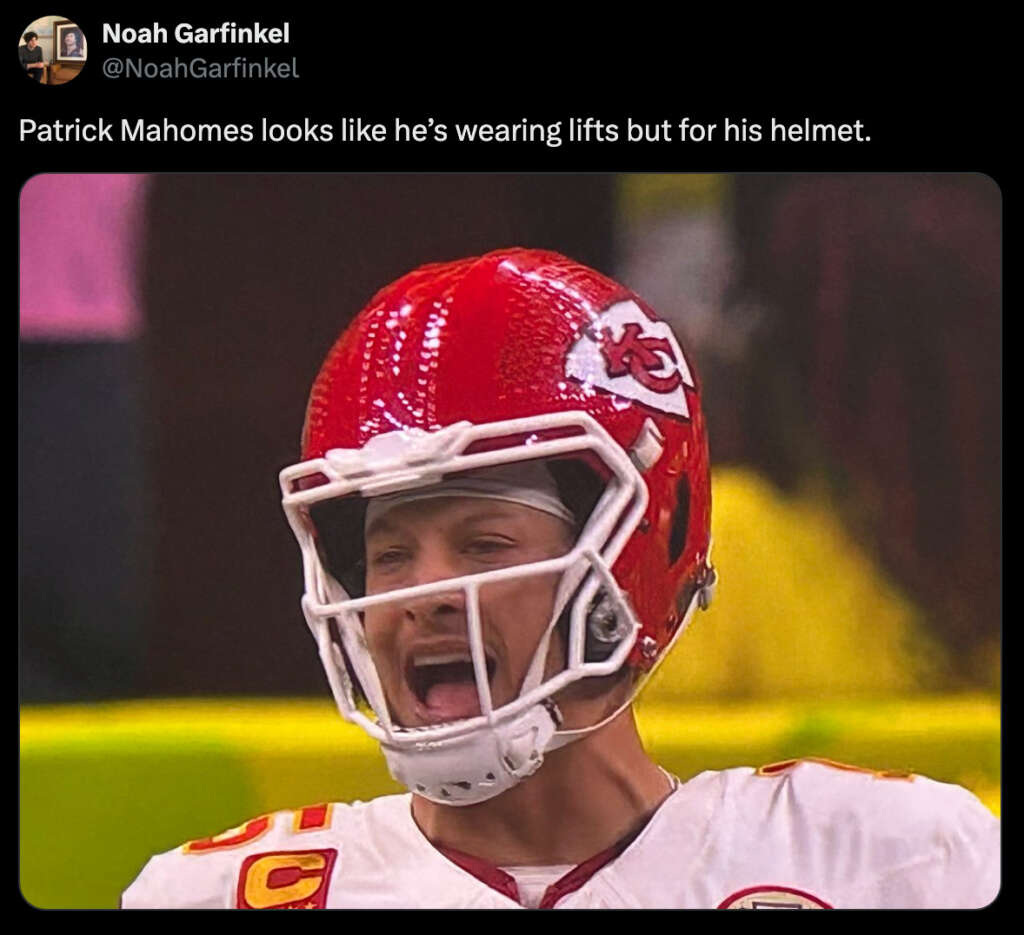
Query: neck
[[586, 797]]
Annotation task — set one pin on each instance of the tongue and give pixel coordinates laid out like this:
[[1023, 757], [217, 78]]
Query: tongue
[[453, 699]]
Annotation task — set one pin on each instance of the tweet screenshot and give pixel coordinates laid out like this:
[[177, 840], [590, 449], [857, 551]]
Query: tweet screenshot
[[501, 493]]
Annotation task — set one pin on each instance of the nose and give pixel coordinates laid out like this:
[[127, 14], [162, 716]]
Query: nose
[[449, 605], [432, 564], [427, 570]]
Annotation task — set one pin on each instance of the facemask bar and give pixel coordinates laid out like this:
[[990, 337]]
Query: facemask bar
[[571, 580], [406, 460], [347, 614]]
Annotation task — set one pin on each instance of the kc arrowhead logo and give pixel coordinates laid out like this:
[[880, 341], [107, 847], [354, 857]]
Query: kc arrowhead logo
[[629, 354]]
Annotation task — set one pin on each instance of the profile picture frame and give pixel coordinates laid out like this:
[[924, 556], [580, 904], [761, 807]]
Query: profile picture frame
[[60, 29]]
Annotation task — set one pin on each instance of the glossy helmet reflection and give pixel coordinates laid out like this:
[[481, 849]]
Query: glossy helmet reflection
[[518, 355]]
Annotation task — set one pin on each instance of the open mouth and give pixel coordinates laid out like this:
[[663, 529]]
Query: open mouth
[[444, 685]]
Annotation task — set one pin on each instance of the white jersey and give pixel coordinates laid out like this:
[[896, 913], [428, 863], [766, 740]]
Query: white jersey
[[802, 834]]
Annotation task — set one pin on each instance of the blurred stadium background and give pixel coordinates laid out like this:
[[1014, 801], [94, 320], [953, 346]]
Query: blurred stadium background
[[848, 332]]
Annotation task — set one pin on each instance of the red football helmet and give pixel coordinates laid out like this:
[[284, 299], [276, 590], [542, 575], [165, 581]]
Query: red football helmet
[[518, 355]]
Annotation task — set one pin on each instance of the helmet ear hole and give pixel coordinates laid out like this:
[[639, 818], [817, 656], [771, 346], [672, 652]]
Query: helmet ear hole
[[604, 630], [680, 521]]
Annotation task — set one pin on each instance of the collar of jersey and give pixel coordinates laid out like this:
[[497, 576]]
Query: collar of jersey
[[505, 884]]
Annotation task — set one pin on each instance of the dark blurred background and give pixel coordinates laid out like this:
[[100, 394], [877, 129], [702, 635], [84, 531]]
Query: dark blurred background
[[847, 327]]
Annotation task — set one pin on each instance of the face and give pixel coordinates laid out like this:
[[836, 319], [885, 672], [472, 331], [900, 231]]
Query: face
[[70, 41], [32, 43], [420, 646]]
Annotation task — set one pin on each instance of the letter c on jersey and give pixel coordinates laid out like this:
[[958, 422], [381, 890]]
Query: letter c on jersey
[[286, 880]]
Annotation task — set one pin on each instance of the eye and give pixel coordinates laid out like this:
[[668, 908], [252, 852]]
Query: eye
[[388, 558], [489, 545]]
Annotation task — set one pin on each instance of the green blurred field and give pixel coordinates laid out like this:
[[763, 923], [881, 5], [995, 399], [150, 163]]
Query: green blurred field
[[105, 786]]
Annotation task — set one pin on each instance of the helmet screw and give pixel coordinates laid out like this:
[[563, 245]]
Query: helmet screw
[[604, 621], [649, 647]]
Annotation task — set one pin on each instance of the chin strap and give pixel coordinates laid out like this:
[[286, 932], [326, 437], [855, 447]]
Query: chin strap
[[477, 765]]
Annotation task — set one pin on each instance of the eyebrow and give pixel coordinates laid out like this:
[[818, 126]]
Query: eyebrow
[[382, 524]]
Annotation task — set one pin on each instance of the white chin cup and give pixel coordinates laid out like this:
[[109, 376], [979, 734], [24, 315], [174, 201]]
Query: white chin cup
[[475, 766]]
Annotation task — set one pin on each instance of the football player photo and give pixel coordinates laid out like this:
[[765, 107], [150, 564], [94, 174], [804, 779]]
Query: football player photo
[[70, 42], [503, 509], [511, 542]]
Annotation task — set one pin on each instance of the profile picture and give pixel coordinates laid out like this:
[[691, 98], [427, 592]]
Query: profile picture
[[70, 42]]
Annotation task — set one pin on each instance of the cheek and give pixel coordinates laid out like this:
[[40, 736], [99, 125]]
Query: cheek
[[521, 611], [381, 636]]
